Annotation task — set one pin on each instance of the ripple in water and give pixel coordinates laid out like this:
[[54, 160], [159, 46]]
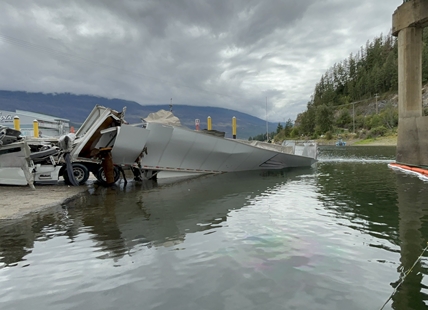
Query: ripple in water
[[331, 237]]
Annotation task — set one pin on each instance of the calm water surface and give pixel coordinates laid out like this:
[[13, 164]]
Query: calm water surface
[[335, 236]]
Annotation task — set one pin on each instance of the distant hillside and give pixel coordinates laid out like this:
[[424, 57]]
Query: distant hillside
[[358, 94], [77, 107]]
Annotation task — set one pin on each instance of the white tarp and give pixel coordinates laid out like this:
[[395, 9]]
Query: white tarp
[[163, 117]]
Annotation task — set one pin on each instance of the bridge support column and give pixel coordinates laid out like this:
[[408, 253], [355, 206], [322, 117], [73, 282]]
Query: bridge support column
[[412, 143]]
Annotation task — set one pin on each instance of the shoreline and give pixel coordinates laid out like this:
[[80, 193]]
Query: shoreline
[[379, 141], [18, 201]]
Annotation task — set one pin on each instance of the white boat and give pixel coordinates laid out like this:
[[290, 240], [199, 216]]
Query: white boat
[[340, 142], [176, 151]]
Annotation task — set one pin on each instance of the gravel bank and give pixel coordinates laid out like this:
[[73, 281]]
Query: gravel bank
[[16, 201]]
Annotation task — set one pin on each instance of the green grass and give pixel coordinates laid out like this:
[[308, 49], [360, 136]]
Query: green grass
[[365, 141]]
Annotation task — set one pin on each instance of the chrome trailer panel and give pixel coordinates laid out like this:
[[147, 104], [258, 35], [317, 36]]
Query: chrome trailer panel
[[179, 149], [129, 144]]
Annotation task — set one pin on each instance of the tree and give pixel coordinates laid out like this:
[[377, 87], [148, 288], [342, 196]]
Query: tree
[[323, 119], [344, 119], [288, 127], [390, 117], [307, 120], [373, 69]]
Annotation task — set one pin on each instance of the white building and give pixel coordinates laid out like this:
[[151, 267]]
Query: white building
[[49, 126]]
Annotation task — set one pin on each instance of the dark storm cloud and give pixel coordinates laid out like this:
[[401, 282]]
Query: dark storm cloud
[[232, 54]]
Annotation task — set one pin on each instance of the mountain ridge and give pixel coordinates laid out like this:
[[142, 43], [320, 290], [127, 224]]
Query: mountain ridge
[[77, 107]]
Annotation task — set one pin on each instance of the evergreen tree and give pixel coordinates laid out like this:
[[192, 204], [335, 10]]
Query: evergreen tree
[[344, 119], [288, 128], [307, 120], [323, 119], [372, 70]]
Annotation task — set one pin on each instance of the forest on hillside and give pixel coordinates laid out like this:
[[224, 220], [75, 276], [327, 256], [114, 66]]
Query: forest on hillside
[[356, 94]]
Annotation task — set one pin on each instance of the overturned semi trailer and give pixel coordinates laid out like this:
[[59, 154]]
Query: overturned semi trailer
[[176, 151], [103, 137]]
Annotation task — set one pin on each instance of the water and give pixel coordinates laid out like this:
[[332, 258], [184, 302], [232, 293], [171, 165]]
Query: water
[[335, 236]]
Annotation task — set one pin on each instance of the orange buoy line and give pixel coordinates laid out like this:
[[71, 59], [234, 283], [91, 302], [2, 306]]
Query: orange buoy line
[[420, 171]]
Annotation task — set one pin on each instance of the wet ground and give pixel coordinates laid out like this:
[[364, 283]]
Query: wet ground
[[16, 201]]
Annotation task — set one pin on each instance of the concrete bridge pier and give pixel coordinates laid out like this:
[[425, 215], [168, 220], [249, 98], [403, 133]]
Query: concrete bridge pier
[[408, 22]]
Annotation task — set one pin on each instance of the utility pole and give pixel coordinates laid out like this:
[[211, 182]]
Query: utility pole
[[353, 116], [170, 106], [377, 112], [267, 130]]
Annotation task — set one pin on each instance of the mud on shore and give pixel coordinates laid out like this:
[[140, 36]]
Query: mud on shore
[[16, 201]]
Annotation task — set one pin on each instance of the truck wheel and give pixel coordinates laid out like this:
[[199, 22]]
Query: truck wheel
[[102, 178], [80, 172]]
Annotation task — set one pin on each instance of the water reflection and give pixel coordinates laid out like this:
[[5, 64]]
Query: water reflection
[[164, 215], [361, 192], [331, 237], [120, 220], [357, 154], [385, 204], [17, 237], [412, 207]]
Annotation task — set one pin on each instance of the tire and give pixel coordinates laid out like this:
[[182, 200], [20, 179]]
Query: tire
[[102, 178], [81, 174]]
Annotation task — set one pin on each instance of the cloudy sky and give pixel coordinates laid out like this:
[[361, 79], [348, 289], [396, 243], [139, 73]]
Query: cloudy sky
[[236, 54]]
